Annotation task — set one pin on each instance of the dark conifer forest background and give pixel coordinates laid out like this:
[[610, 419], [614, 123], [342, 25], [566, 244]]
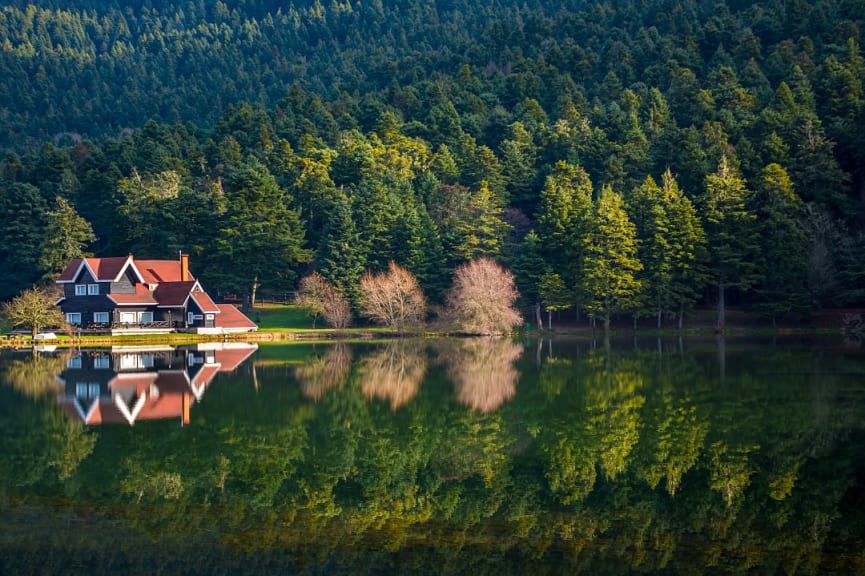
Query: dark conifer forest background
[[626, 158]]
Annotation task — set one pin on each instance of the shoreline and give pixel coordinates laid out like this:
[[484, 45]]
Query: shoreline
[[303, 336]]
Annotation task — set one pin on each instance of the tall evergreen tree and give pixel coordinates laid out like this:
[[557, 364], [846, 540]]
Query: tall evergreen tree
[[341, 257], [481, 228], [783, 286], [261, 238], [528, 267], [419, 247], [562, 220], [610, 263], [733, 243], [23, 218], [687, 242], [67, 236]]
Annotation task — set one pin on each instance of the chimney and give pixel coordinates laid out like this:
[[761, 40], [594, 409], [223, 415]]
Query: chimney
[[184, 267]]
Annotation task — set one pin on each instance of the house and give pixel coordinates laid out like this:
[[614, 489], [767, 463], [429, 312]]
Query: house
[[122, 295], [126, 384]]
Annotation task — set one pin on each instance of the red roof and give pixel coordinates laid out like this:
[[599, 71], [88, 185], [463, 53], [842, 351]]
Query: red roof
[[142, 296], [105, 269], [158, 271], [231, 317], [204, 302], [173, 293]]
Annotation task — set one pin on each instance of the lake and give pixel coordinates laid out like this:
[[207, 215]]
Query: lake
[[481, 456]]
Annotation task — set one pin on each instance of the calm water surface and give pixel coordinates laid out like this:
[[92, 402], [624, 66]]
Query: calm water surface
[[477, 456]]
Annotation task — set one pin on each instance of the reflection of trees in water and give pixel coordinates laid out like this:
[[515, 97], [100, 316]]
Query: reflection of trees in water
[[483, 371], [47, 438], [554, 479], [599, 428], [69, 443], [34, 376], [395, 372], [320, 374]]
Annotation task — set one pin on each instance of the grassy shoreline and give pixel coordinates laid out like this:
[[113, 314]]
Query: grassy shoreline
[[285, 323]]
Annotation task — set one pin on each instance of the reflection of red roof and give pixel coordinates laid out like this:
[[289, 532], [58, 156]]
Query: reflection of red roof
[[231, 317], [204, 377], [231, 357], [153, 395], [205, 303], [173, 293], [140, 381], [142, 296]]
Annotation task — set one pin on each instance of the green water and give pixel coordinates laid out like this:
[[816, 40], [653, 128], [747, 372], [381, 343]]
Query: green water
[[437, 457]]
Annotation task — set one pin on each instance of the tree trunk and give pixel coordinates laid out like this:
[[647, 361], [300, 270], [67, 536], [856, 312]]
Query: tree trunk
[[538, 318], [606, 323], [550, 319], [681, 314], [660, 316], [253, 291]]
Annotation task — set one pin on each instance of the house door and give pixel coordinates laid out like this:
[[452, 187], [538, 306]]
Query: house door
[[128, 318]]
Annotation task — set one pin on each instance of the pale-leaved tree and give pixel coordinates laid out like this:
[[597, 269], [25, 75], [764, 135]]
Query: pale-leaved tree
[[481, 300], [393, 299]]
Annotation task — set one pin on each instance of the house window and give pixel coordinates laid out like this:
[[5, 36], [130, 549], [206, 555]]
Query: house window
[[74, 362], [100, 317], [146, 317], [190, 318], [81, 290], [73, 317], [93, 289], [209, 316], [102, 362]]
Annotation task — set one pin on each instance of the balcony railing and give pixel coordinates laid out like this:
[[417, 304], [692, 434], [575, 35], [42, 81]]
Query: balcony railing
[[107, 326]]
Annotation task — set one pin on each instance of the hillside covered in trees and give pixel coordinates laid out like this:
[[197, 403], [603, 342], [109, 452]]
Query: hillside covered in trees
[[620, 157]]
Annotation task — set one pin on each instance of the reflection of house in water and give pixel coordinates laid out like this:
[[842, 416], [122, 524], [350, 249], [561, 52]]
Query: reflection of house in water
[[129, 384]]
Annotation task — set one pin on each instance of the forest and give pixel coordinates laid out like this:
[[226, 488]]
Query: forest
[[624, 159]]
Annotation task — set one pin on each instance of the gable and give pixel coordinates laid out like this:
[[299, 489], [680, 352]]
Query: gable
[[99, 269]]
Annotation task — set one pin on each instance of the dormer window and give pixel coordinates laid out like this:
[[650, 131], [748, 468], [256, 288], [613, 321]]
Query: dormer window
[[93, 289]]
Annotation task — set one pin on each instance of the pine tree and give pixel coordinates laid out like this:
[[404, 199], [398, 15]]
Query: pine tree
[[733, 243], [528, 268], [687, 242], [610, 263], [67, 236], [783, 287], [23, 217], [261, 237], [566, 205], [341, 257]]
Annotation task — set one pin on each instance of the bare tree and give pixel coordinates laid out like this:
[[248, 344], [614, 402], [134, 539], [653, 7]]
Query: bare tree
[[481, 300], [393, 299], [321, 299], [34, 309]]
